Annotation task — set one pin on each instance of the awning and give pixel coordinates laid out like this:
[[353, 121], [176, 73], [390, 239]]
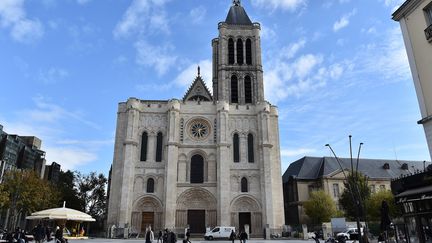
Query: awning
[[415, 194]]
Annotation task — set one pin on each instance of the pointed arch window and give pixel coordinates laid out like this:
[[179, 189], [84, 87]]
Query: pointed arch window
[[240, 52], [230, 51], [150, 185], [244, 185], [197, 169], [248, 52], [159, 147], [251, 157], [144, 139], [248, 89], [236, 148], [234, 89]]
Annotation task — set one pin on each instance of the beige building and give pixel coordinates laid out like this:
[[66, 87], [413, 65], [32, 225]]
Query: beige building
[[415, 18], [207, 159], [323, 173]]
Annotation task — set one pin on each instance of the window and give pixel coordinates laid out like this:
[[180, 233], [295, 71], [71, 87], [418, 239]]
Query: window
[[248, 52], [428, 14], [336, 190], [240, 52], [372, 188], [150, 185], [215, 230], [236, 148], [234, 89], [159, 147], [197, 169], [248, 90], [382, 187], [251, 157], [244, 185], [230, 51], [144, 139]]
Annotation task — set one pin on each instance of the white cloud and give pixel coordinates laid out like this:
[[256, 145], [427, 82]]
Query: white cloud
[[158, 57], [198, 14], [290, 5], [53, 75], [22, 29], [70, 157], [142, 17], [343, 21], [291, 50]]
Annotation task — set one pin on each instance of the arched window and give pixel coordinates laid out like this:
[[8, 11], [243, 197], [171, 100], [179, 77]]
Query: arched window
[[197, 169], [150, 185], [251, 157], [230, 51], [248, 89], [236, 148], [248, 52], [159, 147], [144, 139], [240, 52], [244, 185], [234, 89]]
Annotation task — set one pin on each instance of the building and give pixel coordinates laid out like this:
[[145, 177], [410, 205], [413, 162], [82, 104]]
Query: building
[[323, 173], [415, 18], [207, 159], [52, 172], [21, 152], [414, 194]]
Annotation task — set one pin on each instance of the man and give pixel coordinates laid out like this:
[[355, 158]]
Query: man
[[59, 235], [243, 236], [159, 236], [149, 236], [188, 236], [39, 233], [232, 236]]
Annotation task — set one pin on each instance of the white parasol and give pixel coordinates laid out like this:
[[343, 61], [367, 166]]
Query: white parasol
[[62, 214]]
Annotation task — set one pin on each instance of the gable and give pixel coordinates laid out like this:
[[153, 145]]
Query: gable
[[198, 91]]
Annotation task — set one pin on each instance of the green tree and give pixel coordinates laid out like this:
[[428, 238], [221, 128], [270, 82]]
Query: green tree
[[27, 193], [320, 207], [359, 185], [68, 191], [4, 196], [374, 202]]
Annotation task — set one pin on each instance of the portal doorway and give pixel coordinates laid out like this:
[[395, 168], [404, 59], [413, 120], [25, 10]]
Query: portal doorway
[[196, 221], [147, 219], [245, 219]]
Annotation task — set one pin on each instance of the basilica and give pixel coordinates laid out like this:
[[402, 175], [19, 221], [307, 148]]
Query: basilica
[[208, 159]]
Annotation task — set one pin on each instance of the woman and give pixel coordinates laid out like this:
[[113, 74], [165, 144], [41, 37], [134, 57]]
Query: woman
[[149, 236]]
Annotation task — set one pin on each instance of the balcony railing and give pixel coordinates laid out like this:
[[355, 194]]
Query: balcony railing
[[428, 33]]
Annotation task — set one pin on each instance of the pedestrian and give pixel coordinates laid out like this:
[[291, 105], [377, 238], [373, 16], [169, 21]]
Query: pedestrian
[[172, 237], [243, 236], [149, 236], [188, 236], [232, 236], [48, 234], [19, 236], [165, 236], [159, 236], [59, 235], [39, 233]]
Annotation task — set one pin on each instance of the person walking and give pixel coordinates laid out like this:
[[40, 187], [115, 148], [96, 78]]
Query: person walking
[[243, 236], [232, 236], [39, 233], [59, 235], [149, 236], [188, 236], [159, 236], [172, 238]]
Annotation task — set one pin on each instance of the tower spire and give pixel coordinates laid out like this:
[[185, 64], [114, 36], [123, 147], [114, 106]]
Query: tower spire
[[236, 2]]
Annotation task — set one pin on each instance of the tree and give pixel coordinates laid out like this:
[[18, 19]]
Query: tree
[[27, 193], [373, 205], [68, 191], [320, 207], [359, 185], [92, 194], [4, 196]]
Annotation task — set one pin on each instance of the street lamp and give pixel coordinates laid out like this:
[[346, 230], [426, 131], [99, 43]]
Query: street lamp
[[354, 192]]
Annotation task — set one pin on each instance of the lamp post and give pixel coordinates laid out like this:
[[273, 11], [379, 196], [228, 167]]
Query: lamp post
[[354, 192]]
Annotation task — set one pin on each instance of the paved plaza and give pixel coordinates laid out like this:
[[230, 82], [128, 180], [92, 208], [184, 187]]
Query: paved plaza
[[193, 241]]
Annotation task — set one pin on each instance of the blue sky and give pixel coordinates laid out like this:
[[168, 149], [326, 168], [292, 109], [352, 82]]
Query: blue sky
[[333, 67]]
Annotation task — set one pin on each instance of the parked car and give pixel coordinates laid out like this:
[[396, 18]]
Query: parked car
[[219, 232], [347, 234]]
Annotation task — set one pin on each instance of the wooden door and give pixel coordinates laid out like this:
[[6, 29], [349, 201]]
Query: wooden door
[[196, 221], [147, 219]]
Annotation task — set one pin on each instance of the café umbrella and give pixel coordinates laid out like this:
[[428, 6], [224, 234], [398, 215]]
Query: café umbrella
[[61, 214]]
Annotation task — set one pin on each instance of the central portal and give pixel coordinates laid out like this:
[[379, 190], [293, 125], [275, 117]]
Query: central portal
[[196, 221], [245, 219], [147, 220]]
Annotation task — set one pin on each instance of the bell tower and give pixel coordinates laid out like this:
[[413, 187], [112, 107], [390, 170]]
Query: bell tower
[[237, 66]]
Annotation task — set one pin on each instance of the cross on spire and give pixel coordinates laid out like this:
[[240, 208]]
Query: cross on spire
[[199, 71], [236, 2]]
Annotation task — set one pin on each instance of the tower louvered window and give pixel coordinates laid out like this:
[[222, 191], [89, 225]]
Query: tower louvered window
[[144, 140], [251, 157], [240, 52], [244, 185], [230, 51], [159, 147], [236, 148], [248, 52], [234, 89], [150, 185], [248, 89]]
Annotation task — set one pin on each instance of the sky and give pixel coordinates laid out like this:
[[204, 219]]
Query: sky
[[334, 68]]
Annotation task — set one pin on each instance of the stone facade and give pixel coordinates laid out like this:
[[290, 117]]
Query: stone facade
[[205, 160]]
